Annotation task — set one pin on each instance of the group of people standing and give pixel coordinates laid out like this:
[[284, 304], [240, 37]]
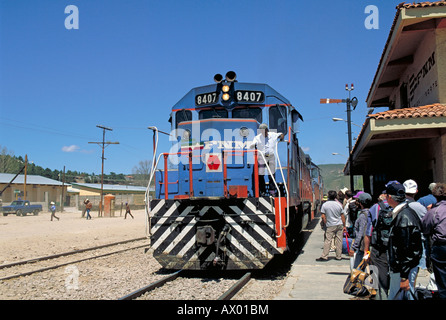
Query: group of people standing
[[396, 234], [88, 206]]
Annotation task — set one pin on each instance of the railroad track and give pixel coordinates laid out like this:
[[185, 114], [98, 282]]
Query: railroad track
[[64, 254], [227, 295]]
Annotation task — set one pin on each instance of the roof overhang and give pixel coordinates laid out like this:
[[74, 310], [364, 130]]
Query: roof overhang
[[394, 126], [411, 23]]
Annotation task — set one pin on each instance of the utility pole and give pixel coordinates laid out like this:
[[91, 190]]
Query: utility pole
[[350, 103], [24, 184], [104, 144], [63, 187]]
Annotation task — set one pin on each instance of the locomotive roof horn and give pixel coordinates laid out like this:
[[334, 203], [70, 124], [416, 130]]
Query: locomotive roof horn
[[230, 76], [218, 78]]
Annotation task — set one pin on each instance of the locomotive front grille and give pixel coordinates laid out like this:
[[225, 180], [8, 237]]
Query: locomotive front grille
[[204, 234]]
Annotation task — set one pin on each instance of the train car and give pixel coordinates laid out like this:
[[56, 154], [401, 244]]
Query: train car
[[317, 187], [208, 211]]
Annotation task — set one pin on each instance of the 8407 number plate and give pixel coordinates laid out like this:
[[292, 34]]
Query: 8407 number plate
[[206, 98], [249, 96]]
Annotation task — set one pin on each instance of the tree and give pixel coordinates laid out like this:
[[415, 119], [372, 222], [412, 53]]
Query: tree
[[142, 172], [8, 163]]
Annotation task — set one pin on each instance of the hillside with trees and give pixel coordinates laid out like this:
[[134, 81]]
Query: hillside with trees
[[9, 163], [334, 178]]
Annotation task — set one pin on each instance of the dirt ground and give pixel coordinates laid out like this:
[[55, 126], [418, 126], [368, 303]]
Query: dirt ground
[[34, 236]]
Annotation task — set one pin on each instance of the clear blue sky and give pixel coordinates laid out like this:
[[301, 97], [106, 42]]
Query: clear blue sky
[[131, 61]]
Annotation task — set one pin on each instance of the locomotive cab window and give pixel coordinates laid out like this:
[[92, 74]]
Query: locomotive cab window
[[213, 113], [181, 116], [277, 119], [248, 113]]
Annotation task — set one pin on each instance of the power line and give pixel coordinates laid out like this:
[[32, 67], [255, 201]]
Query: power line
[[104, 144]]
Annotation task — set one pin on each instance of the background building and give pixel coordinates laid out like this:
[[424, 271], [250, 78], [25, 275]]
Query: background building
[[134, 195], [408, 140], [39, 190]]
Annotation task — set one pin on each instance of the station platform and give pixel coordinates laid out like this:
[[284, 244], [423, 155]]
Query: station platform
[[309, 279]]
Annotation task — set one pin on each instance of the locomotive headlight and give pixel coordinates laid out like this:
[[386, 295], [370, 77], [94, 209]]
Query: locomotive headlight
[[244, 132], [225, 97], [225, 88]]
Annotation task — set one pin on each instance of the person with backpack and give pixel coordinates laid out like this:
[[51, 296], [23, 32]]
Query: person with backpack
[[376, 238], [350, 208], [404, 247], [434, 228]]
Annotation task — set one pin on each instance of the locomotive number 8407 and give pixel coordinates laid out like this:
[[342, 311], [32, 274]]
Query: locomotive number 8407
[[220, 201]]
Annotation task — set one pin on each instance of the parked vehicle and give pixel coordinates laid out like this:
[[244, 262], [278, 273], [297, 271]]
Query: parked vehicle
[[21, 208]]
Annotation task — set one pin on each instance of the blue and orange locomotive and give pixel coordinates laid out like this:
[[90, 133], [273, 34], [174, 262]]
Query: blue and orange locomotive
[[208, 210]]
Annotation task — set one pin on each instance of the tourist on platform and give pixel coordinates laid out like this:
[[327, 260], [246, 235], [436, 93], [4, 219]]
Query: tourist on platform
[[348, 221], [364, 201], [334, 221], [376, 243], [429, 200], [411, 189], [404, 247], [434, 228]]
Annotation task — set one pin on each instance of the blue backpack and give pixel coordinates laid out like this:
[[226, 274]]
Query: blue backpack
[[381, 232]]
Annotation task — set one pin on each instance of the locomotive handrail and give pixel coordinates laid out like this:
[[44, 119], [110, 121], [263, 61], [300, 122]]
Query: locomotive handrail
[[286, 189], [257, 183], [166, 182], [278, 190]]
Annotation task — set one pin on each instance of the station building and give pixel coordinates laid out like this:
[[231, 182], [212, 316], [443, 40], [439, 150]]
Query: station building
[[407, 140], [134, 195], [39, 190]]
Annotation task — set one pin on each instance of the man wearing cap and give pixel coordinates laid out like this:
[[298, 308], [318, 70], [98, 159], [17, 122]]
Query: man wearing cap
[[376, 247], [405, 247], [266, 142], [411, 189], [53, 211]]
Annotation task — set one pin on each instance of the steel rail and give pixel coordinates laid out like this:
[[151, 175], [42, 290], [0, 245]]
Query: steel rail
[[137, 293], [236, 287], [68, 263], [33, 260]]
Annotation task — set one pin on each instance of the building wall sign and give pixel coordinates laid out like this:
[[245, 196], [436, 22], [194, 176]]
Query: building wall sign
[[427, 85]]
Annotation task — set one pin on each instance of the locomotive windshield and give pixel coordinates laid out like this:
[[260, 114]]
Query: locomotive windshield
[[213, 113], [277, 118], [248, 113], [182, 115]]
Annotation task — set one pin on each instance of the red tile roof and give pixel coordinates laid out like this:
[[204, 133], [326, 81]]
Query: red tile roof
[[429, 111], [421, 4]]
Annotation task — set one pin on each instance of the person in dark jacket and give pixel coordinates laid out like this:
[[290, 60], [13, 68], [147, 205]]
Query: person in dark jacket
[[357, 248], [434, 227], [405, 246]]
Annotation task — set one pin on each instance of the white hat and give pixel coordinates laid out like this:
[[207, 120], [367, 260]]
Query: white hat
[[410, 186], [52, 202]]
